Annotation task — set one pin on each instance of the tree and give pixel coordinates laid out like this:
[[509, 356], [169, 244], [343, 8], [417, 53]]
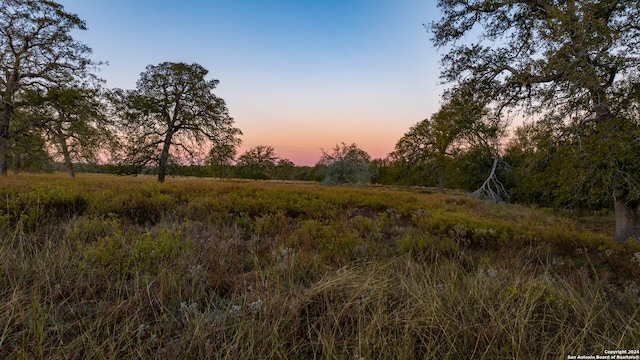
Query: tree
[[462, 122], [284, 169], [73, 121], [258, 162], [536, 153], [576, 61], [173, 106], [223, 153], [36, 52], [27, 149], [346, 164]]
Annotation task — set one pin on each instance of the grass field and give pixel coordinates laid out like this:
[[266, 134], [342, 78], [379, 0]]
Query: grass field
[[106, 267]]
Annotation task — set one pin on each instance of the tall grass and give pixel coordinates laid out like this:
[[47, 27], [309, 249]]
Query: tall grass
[[109, 267]]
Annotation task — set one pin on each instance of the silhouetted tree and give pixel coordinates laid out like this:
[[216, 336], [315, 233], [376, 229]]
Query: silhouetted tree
[[258, 162], [173, 106], [346, 164], [37, 52], [74, 123]]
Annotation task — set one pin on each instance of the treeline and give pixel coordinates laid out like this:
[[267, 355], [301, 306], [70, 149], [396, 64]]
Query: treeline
[[571, 70]]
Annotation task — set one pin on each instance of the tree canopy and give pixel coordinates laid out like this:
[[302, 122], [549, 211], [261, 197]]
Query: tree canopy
[[74, 123], [258, 162], [37, 52], [463, 122], [346, 164], [173, 106], [575, 61]]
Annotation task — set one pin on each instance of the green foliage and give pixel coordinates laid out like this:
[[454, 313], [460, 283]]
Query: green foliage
[[470, 169], [75, 124], [257, 163], [294, 269], [222, 154], [173, 106], [346, 165], [572, 66], [37, 52], [461, 129], [27, 151]]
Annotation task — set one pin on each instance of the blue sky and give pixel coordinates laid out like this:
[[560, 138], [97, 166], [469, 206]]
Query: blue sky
[[296, 75]]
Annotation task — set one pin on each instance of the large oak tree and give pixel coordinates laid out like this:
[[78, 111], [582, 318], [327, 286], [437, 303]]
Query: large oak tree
[[577, 61], [37, 52], [173, 108]]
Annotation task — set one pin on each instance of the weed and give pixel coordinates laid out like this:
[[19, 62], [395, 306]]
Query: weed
[[117, 267]]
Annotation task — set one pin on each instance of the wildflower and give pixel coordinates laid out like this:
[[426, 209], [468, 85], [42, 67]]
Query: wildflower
[[419, 213], [196, 270], [636, 257], [188, 308], [257, 307], [285, 257], [142, 330], [235, 311], [557, 262], [487, 274]]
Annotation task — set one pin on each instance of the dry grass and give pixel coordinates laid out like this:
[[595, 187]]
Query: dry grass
[[107, 267]]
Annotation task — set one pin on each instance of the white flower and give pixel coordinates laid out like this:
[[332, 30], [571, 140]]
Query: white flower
[[236, 310], [487, 274], [142, 330], [491, 273], [188, 308], [557, 262], [196, 270], [257, 306]]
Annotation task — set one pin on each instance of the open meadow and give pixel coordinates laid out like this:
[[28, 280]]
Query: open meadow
[[107, 267]]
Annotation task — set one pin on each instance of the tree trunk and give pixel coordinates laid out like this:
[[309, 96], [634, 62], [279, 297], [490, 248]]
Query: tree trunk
[[67, 157], [164, 157], [627, 216], [5, 118], [627, 212], [441, 181], [441, 169]]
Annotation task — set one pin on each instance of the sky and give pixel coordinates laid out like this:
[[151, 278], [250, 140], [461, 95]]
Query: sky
[[297, 75]]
